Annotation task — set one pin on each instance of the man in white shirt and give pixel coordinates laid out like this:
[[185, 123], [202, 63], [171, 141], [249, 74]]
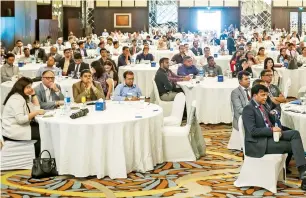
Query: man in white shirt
[[18, 49], [48, 93], [26, 58], [109, 45], [50, 66], [59, 44], [188, 52], [105, 33], [116, 51]]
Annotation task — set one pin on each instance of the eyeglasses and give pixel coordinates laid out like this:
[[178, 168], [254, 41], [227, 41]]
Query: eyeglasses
[[49, 78]]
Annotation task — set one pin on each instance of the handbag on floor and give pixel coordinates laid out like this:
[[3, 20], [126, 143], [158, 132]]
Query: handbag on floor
[[43, 167]]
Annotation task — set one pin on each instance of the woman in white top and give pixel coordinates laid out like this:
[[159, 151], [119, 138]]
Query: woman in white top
[[301, 59], [20, 108], [269, 64]]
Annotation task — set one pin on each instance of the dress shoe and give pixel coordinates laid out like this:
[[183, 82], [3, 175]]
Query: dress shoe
[[302, 171], [303, 185]]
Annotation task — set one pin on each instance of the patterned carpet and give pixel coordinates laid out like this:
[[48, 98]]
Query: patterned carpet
[[211, 176]]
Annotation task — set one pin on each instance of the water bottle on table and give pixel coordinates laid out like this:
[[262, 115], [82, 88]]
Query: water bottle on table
[[201, 73], [67, 103]]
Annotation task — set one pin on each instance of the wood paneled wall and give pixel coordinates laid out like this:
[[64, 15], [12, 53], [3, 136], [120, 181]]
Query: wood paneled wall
[[44, 11], [72, 13], [104, 19], [281, 17], [188, 17], [7, 8], [47, 27]]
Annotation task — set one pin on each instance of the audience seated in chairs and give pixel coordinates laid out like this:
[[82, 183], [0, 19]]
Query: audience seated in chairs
[[261, 56], [259, 127], [48, 92], [101, 76], [77, 66], [166, 81], [269, 64], [8, 70], [275, 94], [196, 49], [212, 68], [283, 57], [125, 57], [20, 107], [244, 66], [134, 49], [82, 49], [38, 52], [178, 58], [53, 52], [50, 66], [87, 88], [240, 96], [187, 68], [128, 87], [65, 61], [111, 72]]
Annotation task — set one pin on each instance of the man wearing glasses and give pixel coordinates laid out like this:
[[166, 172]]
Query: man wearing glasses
[[48, 93], [274, 93], [77, 67]]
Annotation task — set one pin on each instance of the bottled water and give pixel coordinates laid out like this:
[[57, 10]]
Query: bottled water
[[229, 74], [201, 73], [67, 102], [281, 59]]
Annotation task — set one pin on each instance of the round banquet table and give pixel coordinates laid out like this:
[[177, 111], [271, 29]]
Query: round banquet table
[[294, 120], [29, 69], [143, 75], [222, 61], [213, 99], [105, 143], [297, 77]]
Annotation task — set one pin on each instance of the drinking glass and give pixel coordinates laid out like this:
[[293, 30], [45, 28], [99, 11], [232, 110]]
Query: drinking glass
[[206, 74], [111, 96], [191, 76], [129, 96], [72, 74], [142, 99], [33, 74], [78, 75]]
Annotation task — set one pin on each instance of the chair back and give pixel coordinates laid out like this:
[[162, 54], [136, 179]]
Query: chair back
[[242, 133], [302, 91], [178, 105], [192, 113], [155, 91], [287, 87]]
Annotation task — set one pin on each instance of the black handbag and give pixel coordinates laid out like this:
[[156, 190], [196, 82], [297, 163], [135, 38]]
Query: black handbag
[[44, 167]]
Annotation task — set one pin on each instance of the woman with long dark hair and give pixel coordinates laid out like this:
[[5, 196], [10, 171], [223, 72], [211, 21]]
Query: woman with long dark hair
[[269, 64], [111, 72], [234, 60], [250, 58], [243, 65], [283, 57], [101, 76], [261, 56], [21, 105]]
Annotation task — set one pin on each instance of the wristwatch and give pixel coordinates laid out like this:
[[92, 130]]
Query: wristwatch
[[33, 95]]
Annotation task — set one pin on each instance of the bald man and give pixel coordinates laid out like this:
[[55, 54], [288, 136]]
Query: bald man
[[54, 54]]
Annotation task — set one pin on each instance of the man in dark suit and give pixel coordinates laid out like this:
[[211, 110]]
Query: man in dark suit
[[259, 128], [134, 49], [231, 43], [104, 58], [53, 52], [82, 49], [196, 49], [78, 66], [64, 62], [38, 52], [48, 93]]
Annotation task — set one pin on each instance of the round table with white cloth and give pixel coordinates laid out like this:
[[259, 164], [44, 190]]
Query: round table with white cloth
[[143, 75], [110, 143], [297, 77], [30, 69], [294, 120], [213, 98]]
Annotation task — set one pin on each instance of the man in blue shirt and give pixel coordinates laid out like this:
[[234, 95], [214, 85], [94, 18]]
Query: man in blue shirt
[[145, 55], [125, 58], [187, 67], [127, 88]]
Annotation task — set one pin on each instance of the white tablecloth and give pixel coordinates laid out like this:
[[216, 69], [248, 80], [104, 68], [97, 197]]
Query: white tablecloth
[[297, 76], [143, 75], [213, 99], [295, 121], [29, 69], [107, 143]]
